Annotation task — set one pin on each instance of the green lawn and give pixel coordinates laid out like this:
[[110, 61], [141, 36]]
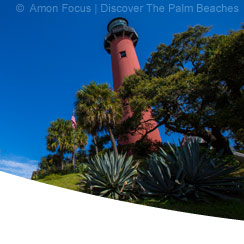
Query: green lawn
[[225, 209], [217, 208], [68, 181]]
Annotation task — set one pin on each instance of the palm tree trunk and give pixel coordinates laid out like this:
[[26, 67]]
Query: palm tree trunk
[[113, 142], [73, 159], [95, 143], [62, 160], [73, 154]]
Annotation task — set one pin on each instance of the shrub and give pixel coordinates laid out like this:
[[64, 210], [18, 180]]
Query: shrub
[[81, 168], [204, 175], [109, 176], [161, 180]]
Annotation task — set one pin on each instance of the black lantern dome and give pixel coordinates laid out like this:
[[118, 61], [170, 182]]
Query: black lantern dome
[[119, 27]]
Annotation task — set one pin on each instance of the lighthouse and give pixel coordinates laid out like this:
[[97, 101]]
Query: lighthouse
[[120, 43]]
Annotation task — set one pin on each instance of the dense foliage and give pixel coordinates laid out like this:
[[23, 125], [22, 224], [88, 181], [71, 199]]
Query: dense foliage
[[195, 86], [50, 164]]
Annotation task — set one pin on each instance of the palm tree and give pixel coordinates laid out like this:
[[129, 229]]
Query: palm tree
[[85, 116], [79, 140], [60, 138], [98, 108]]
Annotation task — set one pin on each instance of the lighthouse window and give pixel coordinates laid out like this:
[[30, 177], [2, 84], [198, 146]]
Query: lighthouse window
[[123, 54]]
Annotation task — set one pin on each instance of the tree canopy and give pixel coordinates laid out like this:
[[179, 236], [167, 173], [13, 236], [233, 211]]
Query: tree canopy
[[60, 138], [195, 86], [98, 108]]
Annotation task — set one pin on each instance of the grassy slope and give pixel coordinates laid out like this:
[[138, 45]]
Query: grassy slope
[[217, 208], [229, 209], [68, 181]]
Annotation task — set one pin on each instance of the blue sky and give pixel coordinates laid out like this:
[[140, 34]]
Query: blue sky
[[46, 57]]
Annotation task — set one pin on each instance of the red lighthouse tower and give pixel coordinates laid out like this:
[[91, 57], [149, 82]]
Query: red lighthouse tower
[[120, 42]]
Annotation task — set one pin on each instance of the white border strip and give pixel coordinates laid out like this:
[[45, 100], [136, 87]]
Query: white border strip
[[33, 212]]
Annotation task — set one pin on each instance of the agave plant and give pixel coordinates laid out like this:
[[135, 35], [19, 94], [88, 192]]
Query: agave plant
[[162, 180], [204, 175], [111, 176]]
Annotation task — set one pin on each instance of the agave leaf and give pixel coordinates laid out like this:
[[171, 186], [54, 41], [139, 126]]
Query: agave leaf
[[107, 174], [103, 193], [159, 174], [179, 171], [167, 157], [199, 174], [221, 172], [158, 180]]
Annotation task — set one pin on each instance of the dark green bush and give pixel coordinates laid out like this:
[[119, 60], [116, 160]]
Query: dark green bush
[[204, 174], [161, 180]]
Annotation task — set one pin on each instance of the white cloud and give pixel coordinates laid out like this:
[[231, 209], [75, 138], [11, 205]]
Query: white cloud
[[23, 169]]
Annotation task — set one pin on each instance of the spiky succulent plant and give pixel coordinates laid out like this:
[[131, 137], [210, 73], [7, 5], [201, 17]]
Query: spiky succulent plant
[[204, 175], [110, 176], [161, 180]]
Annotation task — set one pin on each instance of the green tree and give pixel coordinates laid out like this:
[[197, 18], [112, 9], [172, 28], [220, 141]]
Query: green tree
[[60, 138], [194, 85], [79, 140], [98, 108], [49, 162], [226, 67]]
